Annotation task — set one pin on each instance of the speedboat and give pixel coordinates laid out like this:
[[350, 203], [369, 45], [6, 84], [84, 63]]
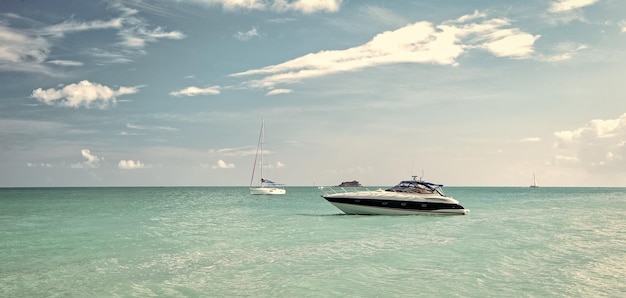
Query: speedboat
[[406, 198]]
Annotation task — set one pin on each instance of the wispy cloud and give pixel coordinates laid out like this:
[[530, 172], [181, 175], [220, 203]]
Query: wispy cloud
[[109, 57], [25, 50], [71, 26], [566, 11], [245, 36], [564, 51], [195, 91], [419, 43], [306, 6], [530, 140], [22, 51], [303, 6], [136, 32], [65, 62], [142, 127], [137, 37], [82, 94], [279, 91], [241, 151]]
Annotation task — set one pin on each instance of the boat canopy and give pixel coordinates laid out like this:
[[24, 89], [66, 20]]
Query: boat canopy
[[417, 186]]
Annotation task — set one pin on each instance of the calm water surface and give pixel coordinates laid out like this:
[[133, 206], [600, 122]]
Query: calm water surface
[[223, 242]]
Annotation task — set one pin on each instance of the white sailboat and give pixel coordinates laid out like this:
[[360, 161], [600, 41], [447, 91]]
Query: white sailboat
[[267, 187], [534, 185]]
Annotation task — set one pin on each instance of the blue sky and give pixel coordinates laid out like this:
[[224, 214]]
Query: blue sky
[[168, 93]]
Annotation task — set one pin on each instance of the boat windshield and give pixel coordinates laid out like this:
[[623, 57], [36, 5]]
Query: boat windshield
[[414, 186]]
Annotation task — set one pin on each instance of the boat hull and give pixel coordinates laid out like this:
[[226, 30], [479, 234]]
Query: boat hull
[[267, 191], [379, 205]]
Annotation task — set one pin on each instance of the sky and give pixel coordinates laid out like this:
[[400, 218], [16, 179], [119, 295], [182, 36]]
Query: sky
[[173, 93]]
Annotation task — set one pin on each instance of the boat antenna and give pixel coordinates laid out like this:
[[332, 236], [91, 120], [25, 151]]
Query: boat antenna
[[415, 176]]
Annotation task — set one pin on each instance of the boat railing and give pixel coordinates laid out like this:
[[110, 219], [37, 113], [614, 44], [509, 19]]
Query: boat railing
[[327, 190]]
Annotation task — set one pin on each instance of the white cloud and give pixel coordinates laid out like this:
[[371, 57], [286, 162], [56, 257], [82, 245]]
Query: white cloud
[[622, 26], [510, 43], [130, 164], [83, 93], [245, 36], [223, 165], [568, 5], [92, 161], [420, 43], [193, 91], [279, 91], [597, 144], [280, 165], [65, 62]]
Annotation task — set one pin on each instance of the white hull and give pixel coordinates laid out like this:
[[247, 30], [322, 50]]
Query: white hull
[[382, 202], [267, 191], [370, 210]]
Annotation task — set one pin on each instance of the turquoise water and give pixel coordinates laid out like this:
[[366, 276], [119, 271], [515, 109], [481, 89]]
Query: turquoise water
[[223, 242]]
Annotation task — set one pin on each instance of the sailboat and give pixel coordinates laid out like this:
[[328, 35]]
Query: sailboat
[[534, 185], [267, 187]]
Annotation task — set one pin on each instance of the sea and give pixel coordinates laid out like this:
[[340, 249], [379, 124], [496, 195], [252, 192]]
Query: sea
[[224, 242]]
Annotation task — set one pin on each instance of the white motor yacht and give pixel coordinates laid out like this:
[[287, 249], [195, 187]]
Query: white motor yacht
[[406, 198]]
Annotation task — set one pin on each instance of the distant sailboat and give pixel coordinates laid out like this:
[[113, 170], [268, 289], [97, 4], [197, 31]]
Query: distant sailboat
[[267, 186], [534, 185]]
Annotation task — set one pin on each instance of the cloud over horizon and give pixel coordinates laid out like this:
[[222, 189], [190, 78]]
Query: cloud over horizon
[[221, 164], [130, 165], [597, 144], [92, 160]]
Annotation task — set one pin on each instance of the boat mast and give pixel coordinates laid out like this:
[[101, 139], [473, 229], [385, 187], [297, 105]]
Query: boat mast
[[256, 156], [261, 141]]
